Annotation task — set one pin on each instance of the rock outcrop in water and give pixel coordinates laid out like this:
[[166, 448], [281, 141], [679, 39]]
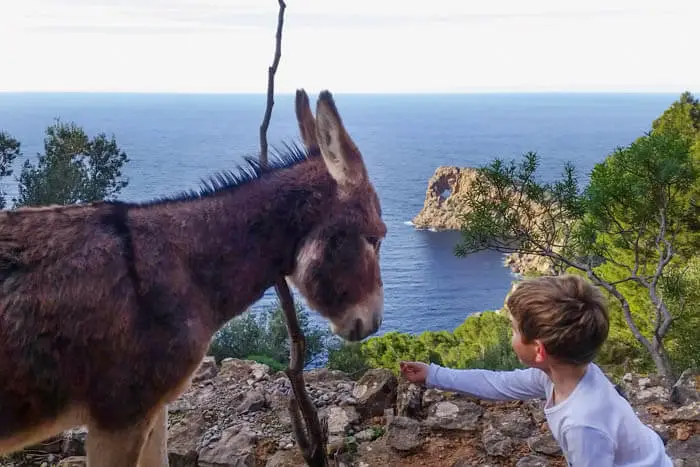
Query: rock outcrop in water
[[236, 414], [445, 202], [445, 198]]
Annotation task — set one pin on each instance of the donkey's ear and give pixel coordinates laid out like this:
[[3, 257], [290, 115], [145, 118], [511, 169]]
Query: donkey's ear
[[307, 125], [340, 154]]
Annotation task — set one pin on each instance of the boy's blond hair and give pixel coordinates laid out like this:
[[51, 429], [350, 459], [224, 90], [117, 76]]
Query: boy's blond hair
[[566, 313]]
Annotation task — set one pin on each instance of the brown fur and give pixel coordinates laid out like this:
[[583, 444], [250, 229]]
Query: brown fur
[[106, 309]]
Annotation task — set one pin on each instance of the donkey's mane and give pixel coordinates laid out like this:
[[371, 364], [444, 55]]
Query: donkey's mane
[[226, 180]]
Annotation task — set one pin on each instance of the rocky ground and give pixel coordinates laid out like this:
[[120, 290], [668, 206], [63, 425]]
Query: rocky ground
[[235, 415]]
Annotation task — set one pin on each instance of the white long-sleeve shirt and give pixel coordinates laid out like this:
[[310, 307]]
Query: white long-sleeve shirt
[[595, 426]]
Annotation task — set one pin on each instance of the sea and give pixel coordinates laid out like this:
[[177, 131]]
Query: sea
[[176, 140]]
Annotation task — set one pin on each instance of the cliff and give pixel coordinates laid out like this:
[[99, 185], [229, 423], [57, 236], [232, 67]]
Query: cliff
[[445, 201], [445, 198], [236, 414]]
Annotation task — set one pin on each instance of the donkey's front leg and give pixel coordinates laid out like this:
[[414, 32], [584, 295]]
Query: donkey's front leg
[[116, 449], [155, 450]]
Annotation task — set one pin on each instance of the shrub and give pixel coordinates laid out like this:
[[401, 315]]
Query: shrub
[[263, 335]]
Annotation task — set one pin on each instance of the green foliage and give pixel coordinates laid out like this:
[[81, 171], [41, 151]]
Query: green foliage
[[628, 193], [9, 151], [630, 230], [347, 357], [264, 334], [73, 169], [269, 361], [481, 341]]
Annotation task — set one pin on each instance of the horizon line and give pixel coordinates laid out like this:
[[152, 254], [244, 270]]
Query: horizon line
[[349, 93]]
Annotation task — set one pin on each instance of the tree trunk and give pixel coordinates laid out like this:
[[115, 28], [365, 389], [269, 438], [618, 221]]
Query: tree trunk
[[662, 361]]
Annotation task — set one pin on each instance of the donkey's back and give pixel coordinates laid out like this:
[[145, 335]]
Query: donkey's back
[[76, 341]]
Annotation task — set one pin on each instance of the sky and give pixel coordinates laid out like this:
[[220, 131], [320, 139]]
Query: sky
[[351, 46]]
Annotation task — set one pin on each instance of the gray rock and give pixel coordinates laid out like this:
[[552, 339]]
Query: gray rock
[[645, 389], [409, 399], [207, 370], [285, 459], [375, 391], [536, 409], [496, 443], [544, 443], [454, 415], [253, 402], [341, 418], [404, 434], [73, 461], [432, 395], [687, 413], [367, 434], [532, 461], [686, 450], [236, 448], [512, 423], [687, 388]]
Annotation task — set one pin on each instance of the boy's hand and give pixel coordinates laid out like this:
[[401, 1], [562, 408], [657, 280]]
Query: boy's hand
[[415, 372]]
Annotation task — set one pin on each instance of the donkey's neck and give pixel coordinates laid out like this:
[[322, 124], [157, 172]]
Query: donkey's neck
[[241, 242]]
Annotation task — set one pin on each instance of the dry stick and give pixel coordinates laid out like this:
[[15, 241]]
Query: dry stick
[[313, 449], [314, 446], [271, 84]]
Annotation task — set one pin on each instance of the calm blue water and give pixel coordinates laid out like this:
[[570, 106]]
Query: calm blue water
[[174, 141]]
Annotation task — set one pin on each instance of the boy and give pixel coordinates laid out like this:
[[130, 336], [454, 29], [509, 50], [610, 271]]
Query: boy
[[559, 324]]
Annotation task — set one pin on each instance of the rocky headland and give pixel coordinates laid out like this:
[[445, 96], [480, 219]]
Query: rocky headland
[[446, 201], [235, 414]]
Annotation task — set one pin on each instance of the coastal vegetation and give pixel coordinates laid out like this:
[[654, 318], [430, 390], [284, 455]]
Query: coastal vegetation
[[633, 229]]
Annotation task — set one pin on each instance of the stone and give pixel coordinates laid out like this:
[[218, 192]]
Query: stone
[[341, 418], [536, 409], [409, 399], [73, 443], [687, 450], [496, 443], [687, 388], [432, 395], [645, 389], [236, 448], [207, 370], [367, 434], [183, 439], [375, 391], [454, 415], [73, 461], [686, 413], [285, 459], [253, 402], [513, 423], [404, 434], [544, 443], [532, 461]]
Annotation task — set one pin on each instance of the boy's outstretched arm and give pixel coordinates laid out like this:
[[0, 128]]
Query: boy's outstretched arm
[[487, 384]]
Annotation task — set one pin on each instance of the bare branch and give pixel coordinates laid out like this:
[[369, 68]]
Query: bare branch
[[271, 71], [312, 446]]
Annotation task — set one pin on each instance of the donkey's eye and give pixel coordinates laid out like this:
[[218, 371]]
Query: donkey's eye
[[374, 241]]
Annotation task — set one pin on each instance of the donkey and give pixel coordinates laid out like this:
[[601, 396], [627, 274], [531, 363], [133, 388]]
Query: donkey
[[108, 308]]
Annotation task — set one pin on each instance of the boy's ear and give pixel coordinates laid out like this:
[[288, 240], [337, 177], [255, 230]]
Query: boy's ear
[[540, 351]]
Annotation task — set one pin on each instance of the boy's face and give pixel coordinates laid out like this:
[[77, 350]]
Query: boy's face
[[530, 354]]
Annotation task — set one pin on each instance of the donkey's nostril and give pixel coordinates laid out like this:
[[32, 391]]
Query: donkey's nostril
[[357, 330]]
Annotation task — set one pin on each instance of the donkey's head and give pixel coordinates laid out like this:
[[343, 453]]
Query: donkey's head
[[337, 265]]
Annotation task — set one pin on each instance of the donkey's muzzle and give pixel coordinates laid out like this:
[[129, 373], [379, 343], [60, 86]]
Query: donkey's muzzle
[[361, 320], [359, 332]]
